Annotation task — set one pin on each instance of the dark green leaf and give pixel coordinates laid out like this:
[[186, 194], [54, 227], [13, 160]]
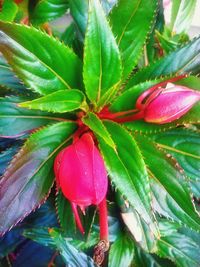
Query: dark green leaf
[[183, 60], [121, 252], [9, 10], [65, 214], [96, 125], [131, 32], [42, 62], [127, 170], [70, 254], [68, 35], [47, 10], [170, 183], [16, 121], [60, 101], [102, 66], [6, 156], [182, 14], [29, 177]]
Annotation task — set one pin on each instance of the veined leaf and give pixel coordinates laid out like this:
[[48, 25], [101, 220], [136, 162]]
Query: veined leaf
[[182, 14], [127, 170], [170, 180], [6, 156], [28, 179], [60, 101], [29, 52], [121, 252], [131, 32], [9, 10], [102, 66], [183, 60], [16, 121], [47, 10], [96, 125], [70, 254], [79, 12]]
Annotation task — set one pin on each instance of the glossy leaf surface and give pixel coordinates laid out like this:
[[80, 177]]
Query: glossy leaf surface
[[40, 67], [131, 32], [172, 181], [16, 121], [183, 60], [47, 10], [29, 177], [9, 10], [102, 66], [60, 101], [127, 170]]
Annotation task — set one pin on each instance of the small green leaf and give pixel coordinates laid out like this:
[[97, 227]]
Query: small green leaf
[[182, 14], [96, 125], [9, 10], [127, 170], [69, 35], [131, 32], [29, 177], [121, 252], [47, 10], [41, 62], [102, 66], [182, 60], [70, 254], [16, 121], [60, 101], [170, 181]]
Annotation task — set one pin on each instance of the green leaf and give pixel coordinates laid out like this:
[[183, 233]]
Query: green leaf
[[69, 35], [41, 62], [179, 248], [16, 121], [96, 125], [183, 60], [70, 254], [102, 66], [131, 32], [60, 101], [182, 14], [65, 214], [47, 10], [184, 145], [121, 252], [127, 170], [79, 12], [9, 10], [170, 181], [29, 177]]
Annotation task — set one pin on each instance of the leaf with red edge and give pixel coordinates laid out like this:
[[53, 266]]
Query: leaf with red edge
[[28, 179]]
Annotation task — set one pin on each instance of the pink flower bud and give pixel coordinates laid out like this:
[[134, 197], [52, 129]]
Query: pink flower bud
[[166, 3], [80, 173], [164, 105]]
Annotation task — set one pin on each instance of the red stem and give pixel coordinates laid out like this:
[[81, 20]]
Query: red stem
[[77, 218], [133, 117], [103, 220]]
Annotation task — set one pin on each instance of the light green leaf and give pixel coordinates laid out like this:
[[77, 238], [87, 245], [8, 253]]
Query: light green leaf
[[60, 101], [121, 252], [182, 14], [127, 170], [9, 10], [47, 10], [130, 30], [102, 66], [40, 61], [96, 125], [170, 183], [29, 177]]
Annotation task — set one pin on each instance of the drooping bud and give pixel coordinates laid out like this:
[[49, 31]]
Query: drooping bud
[[165, 105], [80, 173]]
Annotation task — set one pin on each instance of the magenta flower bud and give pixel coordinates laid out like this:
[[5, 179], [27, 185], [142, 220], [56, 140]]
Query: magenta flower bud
[[80, 173], [164, 105]]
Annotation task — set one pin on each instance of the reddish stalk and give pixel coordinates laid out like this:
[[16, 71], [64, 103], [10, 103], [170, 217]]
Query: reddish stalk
[[134, 117], [103, 220]]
